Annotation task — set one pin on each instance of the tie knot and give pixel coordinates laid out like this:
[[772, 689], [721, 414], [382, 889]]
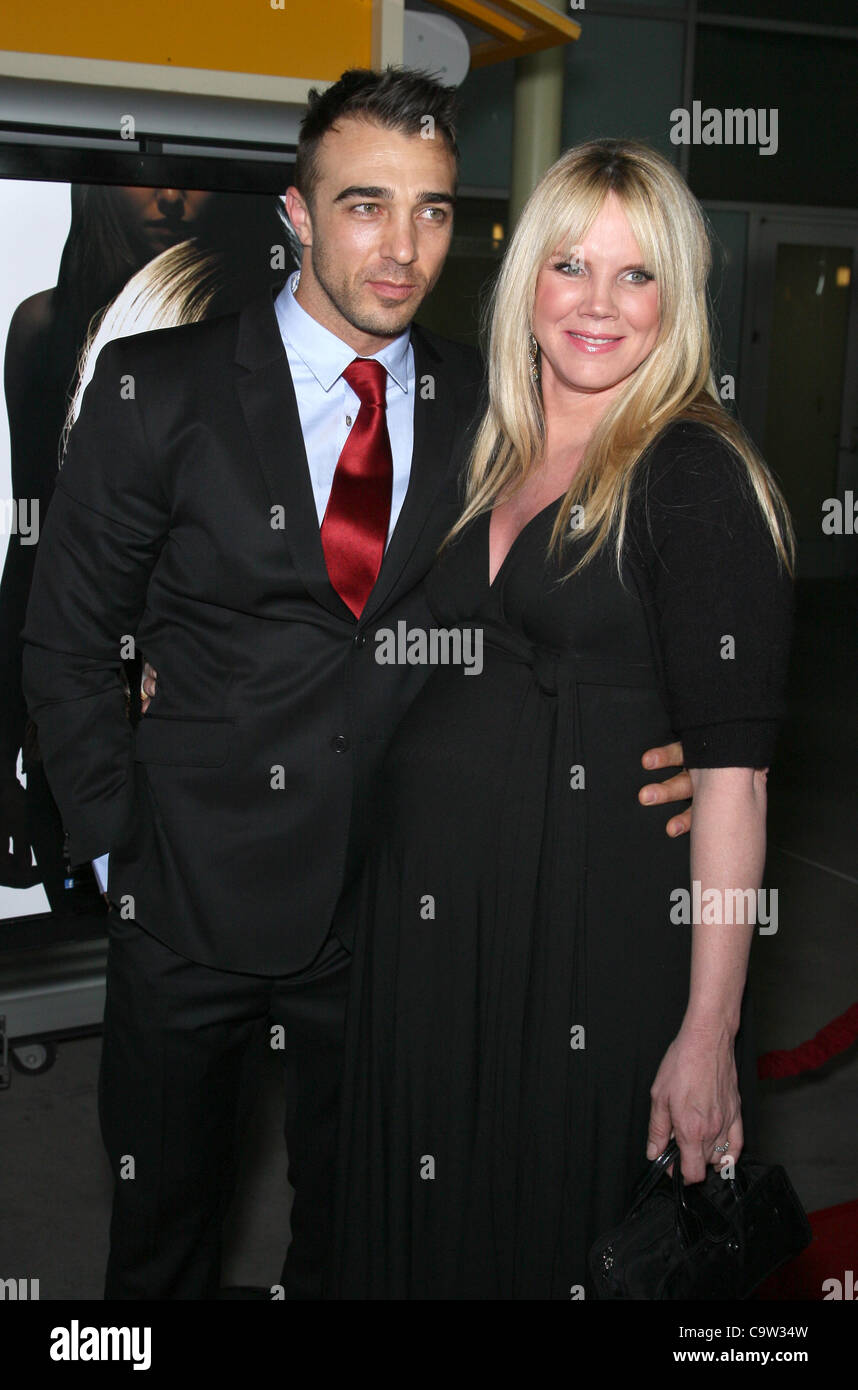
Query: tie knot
[[368, 380]]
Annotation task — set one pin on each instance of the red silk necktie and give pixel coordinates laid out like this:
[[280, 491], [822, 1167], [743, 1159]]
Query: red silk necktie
[[354, 527]]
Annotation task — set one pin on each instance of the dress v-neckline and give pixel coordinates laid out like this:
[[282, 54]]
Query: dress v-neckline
[[525, 527]]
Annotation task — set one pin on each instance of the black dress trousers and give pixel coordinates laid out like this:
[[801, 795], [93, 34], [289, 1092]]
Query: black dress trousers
[[175, 1035]]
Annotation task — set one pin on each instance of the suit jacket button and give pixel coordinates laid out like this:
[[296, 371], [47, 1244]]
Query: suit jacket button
[[339, 743]]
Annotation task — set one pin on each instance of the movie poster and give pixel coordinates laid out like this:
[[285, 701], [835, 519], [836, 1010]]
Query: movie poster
[[81, 264]]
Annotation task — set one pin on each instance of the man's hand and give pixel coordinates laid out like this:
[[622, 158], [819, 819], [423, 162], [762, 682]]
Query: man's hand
[[149, 689], [676, 788], [654, 793]]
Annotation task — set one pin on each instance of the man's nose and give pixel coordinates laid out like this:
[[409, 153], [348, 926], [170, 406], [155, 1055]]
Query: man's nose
[[400, 240]]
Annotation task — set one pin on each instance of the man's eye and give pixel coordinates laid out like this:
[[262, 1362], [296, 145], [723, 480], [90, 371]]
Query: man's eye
[[436, 214], [364, 207]]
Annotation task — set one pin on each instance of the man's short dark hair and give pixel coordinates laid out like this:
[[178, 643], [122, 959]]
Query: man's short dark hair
[[397, 98]]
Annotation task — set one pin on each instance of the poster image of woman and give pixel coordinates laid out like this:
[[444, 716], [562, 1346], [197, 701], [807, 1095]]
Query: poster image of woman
[[223, 248]]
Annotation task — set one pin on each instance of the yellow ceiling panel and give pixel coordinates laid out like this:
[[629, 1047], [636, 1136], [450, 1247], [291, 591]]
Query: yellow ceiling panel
[[223, 35], [516, 27]]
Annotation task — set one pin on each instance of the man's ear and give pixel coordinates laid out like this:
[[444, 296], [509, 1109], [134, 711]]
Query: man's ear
[[299, 215]]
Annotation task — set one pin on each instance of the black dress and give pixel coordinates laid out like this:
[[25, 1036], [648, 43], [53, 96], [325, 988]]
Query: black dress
[[517, 975]]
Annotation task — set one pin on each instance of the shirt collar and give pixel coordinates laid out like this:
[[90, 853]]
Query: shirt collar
[[326, 355]]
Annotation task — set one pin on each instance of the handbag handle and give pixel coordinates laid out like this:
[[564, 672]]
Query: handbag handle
[[689, 1223], [652, 1177]]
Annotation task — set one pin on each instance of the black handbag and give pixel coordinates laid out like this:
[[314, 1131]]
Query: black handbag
[[716, 1239]]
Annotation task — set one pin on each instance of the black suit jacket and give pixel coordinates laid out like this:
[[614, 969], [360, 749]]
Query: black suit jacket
[[184, 518]]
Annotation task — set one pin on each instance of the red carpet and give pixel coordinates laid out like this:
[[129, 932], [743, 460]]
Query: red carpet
[[833, 1251]]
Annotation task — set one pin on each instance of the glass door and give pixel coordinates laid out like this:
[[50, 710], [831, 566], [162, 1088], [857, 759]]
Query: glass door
[[798, 389]]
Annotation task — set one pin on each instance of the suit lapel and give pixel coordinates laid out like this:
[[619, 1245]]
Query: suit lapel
[[436, 418], [267, 397]]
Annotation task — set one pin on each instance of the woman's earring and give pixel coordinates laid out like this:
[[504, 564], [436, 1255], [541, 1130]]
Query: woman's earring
[[533, 354]]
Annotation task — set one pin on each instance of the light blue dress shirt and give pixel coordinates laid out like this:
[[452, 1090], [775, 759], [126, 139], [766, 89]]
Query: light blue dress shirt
[[328, 407]]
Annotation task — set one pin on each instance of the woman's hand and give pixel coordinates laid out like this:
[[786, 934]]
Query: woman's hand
[[695, 1097], [148, 687]]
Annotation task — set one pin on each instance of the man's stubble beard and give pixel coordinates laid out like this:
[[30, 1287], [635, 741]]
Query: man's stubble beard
[[344, 302]]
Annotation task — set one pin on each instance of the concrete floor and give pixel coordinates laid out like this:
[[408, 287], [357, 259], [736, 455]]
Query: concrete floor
[[54, 1180]]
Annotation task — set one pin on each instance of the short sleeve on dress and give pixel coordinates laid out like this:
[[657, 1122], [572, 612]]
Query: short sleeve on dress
[[721, 601]]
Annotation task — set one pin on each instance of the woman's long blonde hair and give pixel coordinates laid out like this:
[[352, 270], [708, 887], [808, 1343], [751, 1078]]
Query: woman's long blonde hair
[[674, 382]]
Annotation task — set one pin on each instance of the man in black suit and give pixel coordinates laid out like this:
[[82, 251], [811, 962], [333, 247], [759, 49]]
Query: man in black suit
[[207, 509]]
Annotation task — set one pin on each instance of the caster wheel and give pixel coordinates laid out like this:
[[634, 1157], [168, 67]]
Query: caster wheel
[[33, 1058]]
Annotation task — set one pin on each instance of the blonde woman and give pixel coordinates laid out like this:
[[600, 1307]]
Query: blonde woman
[[537, 1005]]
